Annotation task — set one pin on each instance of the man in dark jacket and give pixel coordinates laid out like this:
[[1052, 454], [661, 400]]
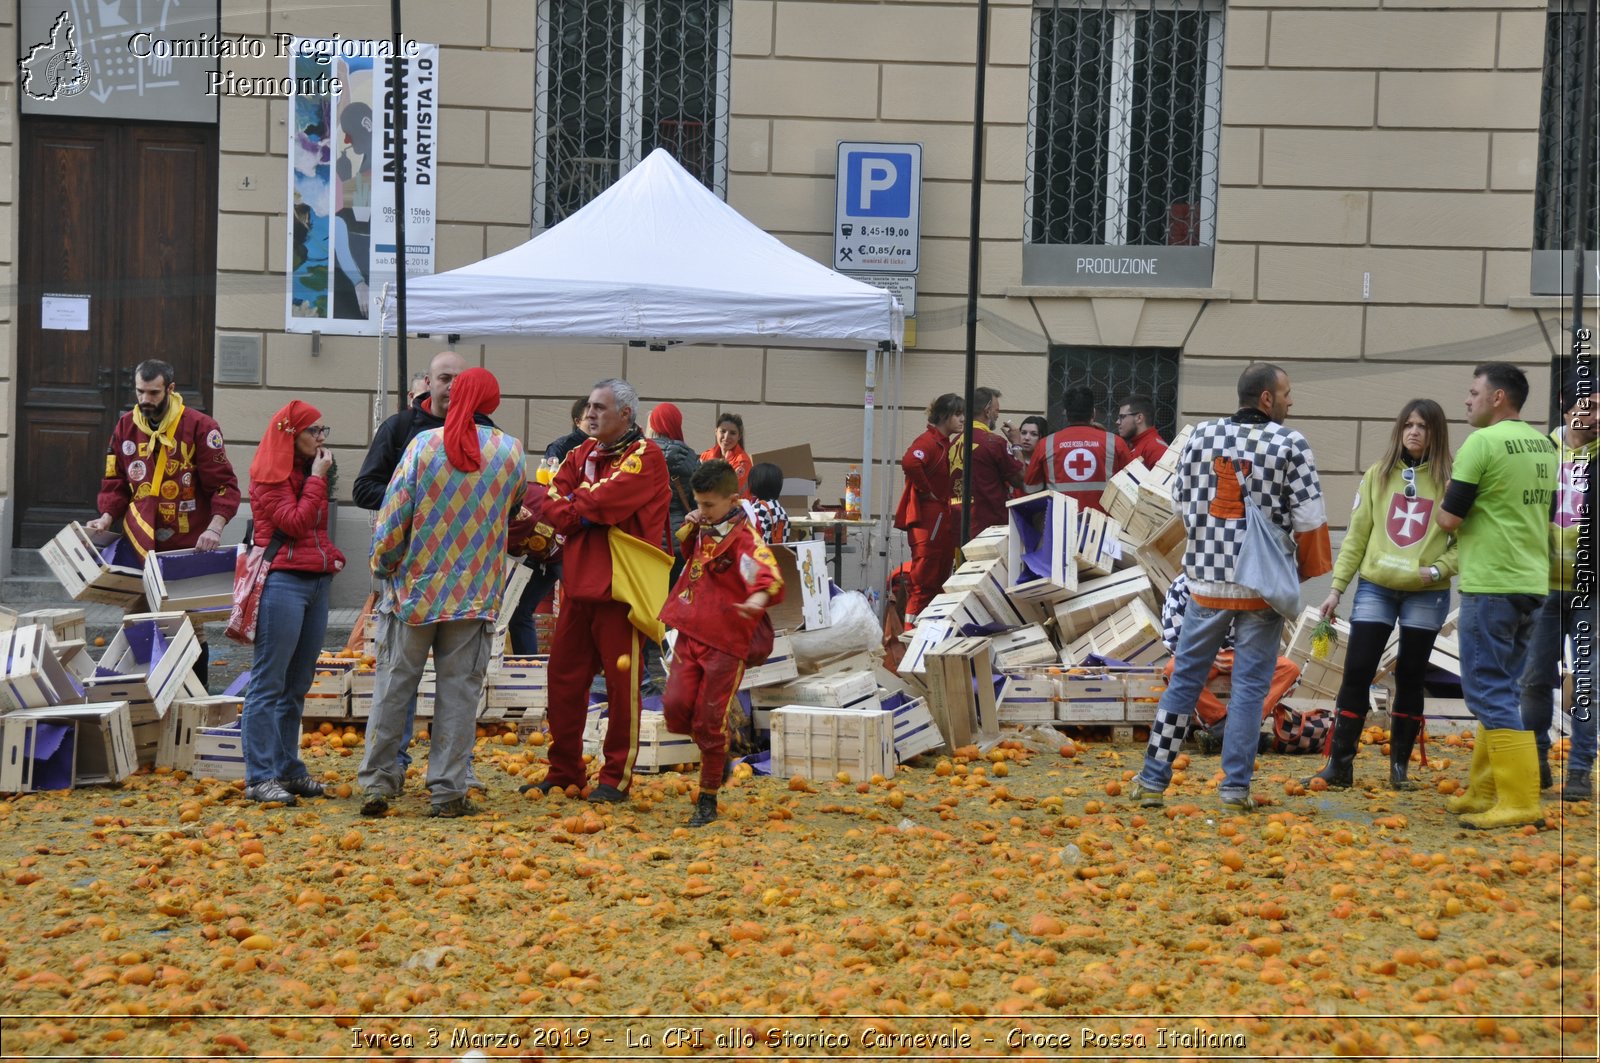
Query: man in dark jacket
[[521, 630]]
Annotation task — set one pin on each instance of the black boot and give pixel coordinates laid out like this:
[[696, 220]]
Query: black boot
[[1403, 731], [202, 667], [1342, 753], [1546, 780], [705, 810]]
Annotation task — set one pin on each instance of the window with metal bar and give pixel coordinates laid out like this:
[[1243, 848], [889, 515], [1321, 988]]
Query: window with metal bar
[[618, 79], [1555, 200], [1124, 124], [1114, 373]]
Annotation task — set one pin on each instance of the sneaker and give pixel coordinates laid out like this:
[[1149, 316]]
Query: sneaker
[[375, 806], [705, 810], [1145, 798], [304, 786], [544, 786], [1238, 804], [269, 791], [607, 794], [1576, 788], [454, 809]]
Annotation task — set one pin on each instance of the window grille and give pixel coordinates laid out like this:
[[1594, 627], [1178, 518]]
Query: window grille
[[1115, 373], [1555, 201], [1125, 102], [618, 79]]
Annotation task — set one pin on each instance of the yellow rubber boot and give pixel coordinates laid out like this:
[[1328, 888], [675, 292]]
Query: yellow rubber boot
[[1479, 796], [1515, 760]]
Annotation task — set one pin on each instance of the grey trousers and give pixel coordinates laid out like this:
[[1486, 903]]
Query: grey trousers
[[460, 660]]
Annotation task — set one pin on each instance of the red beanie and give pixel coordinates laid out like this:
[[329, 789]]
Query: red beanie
[[275, 456], [475, 391]]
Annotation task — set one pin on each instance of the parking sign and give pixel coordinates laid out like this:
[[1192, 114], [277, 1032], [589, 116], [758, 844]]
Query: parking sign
[[877, 211]]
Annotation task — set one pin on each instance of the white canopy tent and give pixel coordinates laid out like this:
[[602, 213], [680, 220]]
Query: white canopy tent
[[658, 259]]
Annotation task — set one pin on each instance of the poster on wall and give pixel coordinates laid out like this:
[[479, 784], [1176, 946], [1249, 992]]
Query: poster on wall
[[342, 180]]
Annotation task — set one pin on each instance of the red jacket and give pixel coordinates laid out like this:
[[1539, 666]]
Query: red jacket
[[1079, 461], [925, 502], [197, 483], [721, 572], [298, 507], [738, 459], [1148, 447], [993, 469], [593, 492]]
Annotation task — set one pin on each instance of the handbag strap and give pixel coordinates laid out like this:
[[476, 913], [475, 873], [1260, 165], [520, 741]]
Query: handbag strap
[[274, 545]]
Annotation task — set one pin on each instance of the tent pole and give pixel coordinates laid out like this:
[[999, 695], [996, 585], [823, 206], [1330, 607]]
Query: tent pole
[[866, 433]]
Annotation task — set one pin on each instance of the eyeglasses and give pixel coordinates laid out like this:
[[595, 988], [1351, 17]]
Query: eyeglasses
[[321, 431], [1410, 476], [1125, 416]]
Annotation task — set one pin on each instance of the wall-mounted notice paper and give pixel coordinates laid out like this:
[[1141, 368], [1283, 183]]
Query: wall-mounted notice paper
[[67, 312]]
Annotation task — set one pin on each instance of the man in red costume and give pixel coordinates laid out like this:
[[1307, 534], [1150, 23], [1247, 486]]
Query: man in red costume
[[609, 499], [167, 476], [729, 580], [1136, 424], [994, 466], [1080, 459], [924, 509]]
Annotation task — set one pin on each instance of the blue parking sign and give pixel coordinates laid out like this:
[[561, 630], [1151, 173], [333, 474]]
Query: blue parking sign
[[878, 193]]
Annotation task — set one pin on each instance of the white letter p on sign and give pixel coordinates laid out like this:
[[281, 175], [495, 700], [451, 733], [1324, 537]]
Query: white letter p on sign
[[877, 175]]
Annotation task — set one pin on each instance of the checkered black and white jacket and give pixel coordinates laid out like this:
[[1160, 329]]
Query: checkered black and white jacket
[[1281, 475]]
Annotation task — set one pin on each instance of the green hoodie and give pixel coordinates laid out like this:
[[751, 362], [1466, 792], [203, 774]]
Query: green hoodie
[[1369, 542]]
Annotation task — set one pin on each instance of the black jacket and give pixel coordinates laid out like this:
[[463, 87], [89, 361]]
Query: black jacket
[[563, 446], [388, 445]]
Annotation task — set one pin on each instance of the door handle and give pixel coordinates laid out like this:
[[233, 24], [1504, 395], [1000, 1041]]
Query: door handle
[[103, 377]]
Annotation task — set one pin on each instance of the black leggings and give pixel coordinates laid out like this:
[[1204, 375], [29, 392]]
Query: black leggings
[[1365, 647]]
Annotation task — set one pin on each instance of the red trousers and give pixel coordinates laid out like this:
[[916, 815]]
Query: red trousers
[[594, 637], [702, 684], [932, 554]]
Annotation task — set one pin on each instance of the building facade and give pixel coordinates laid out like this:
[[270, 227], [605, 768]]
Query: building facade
[[1373, 193]]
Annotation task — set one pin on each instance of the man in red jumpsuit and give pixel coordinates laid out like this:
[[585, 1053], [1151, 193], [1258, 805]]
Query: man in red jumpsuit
[[1136, 424], [924, 509], [167, 476], [994, 467], [609, 499], [1080, 459]]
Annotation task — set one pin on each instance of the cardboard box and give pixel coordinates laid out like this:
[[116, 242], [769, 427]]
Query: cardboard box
[[95, 568], [36, 754], [191, 580], [1040, 569], [147, 661], [1099, 598], [1027, 700], [1023, 647], [807, 595], [104, 746], [66, 625], [820, 743], [31, 676], [986, 579], [915, 732], [1132, 635], [175, 747], [799, 475], [961, 691]]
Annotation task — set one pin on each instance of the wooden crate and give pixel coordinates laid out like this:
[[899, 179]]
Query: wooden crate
[[838, 690], [942, 619], [986, 579], [1090, 697], [147, 662], [1122, 491], [66, 625], [986, 545], [1299, 647], [363, 679], [1025, 646], [31, 675], [104, 748], [1132, 634], [659, 749], [1095, 546], [1451, 716], [1027, 699], [1043, 530], [1161, 556], [191, 580], [36, 754], [8, 618], [175, 747], [1152, 511], [1319, 678], [1142, 692], [780, 667], [915, 732], [1098, 599], [95, 568], [520, 685], [819, 743], [961, 691], [219, 753], [1168, 462]]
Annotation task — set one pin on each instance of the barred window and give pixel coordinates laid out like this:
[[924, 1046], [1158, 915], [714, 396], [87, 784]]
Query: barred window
[[1555, 201], [1114, 373], [618, 79], [1125, 117]]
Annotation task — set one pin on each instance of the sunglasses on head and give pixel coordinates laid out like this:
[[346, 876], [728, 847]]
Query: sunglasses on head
[[1410, 476]]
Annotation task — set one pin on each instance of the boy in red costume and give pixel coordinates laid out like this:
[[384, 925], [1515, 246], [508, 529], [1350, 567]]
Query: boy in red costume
[[729, 580]]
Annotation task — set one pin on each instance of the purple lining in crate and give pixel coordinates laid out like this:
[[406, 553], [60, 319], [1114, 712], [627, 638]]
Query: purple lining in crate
[[744, 700], [760, 763], [595, 699], [983, 630], [201, 563], [895, 701], [1036, 562], [651, 703], [121, 553], [237, 688], [999, 683], [1094, 660], [52, 755], [146, 642]]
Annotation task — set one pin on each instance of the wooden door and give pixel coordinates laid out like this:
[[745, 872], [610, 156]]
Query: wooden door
[[124, 213]]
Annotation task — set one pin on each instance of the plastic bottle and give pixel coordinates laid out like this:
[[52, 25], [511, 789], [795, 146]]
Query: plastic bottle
[[852, 493]]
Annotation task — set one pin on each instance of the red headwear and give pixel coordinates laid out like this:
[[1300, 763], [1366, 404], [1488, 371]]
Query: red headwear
[[276, 454], [667, 420], [475, 391]]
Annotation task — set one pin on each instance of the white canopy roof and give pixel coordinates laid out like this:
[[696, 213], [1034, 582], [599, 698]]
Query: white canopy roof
[[655, 257]]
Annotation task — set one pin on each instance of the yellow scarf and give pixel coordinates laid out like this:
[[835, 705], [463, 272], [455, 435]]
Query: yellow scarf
[[164, 433], [958, 456]]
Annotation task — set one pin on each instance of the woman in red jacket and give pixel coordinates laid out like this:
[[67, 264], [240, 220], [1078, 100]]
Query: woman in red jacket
[[730, 448], [289, 504], [924, 512]]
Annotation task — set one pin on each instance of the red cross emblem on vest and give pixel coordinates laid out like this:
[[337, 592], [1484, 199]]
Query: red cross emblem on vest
[[1079, 464]]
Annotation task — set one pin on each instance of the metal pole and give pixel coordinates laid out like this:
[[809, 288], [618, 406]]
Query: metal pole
[[973, 260], [397, 122]]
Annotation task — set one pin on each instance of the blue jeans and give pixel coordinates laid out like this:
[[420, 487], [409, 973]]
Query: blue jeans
[[1377, 604], [289, 630], [1494, 633], [1558, 618], [1257, 633]]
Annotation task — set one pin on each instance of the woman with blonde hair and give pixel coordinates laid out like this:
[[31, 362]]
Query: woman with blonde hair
[[1405, 563]]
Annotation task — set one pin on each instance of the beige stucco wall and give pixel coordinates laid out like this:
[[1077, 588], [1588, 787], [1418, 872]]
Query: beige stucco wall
[[1395, 138]]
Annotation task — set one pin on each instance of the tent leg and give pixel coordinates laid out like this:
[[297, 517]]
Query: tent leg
[[866, 433]]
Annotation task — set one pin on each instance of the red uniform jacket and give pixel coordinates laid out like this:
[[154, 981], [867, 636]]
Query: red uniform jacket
[[197, 483], [722, 571], [1078, 461], [297, 507], [925, 502], [593, 492], [738, 459], [1148, 447], [993, 468]]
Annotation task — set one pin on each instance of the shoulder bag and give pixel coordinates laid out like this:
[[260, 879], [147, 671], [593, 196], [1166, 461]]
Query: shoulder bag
[[1265, 562], [249, 577]]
